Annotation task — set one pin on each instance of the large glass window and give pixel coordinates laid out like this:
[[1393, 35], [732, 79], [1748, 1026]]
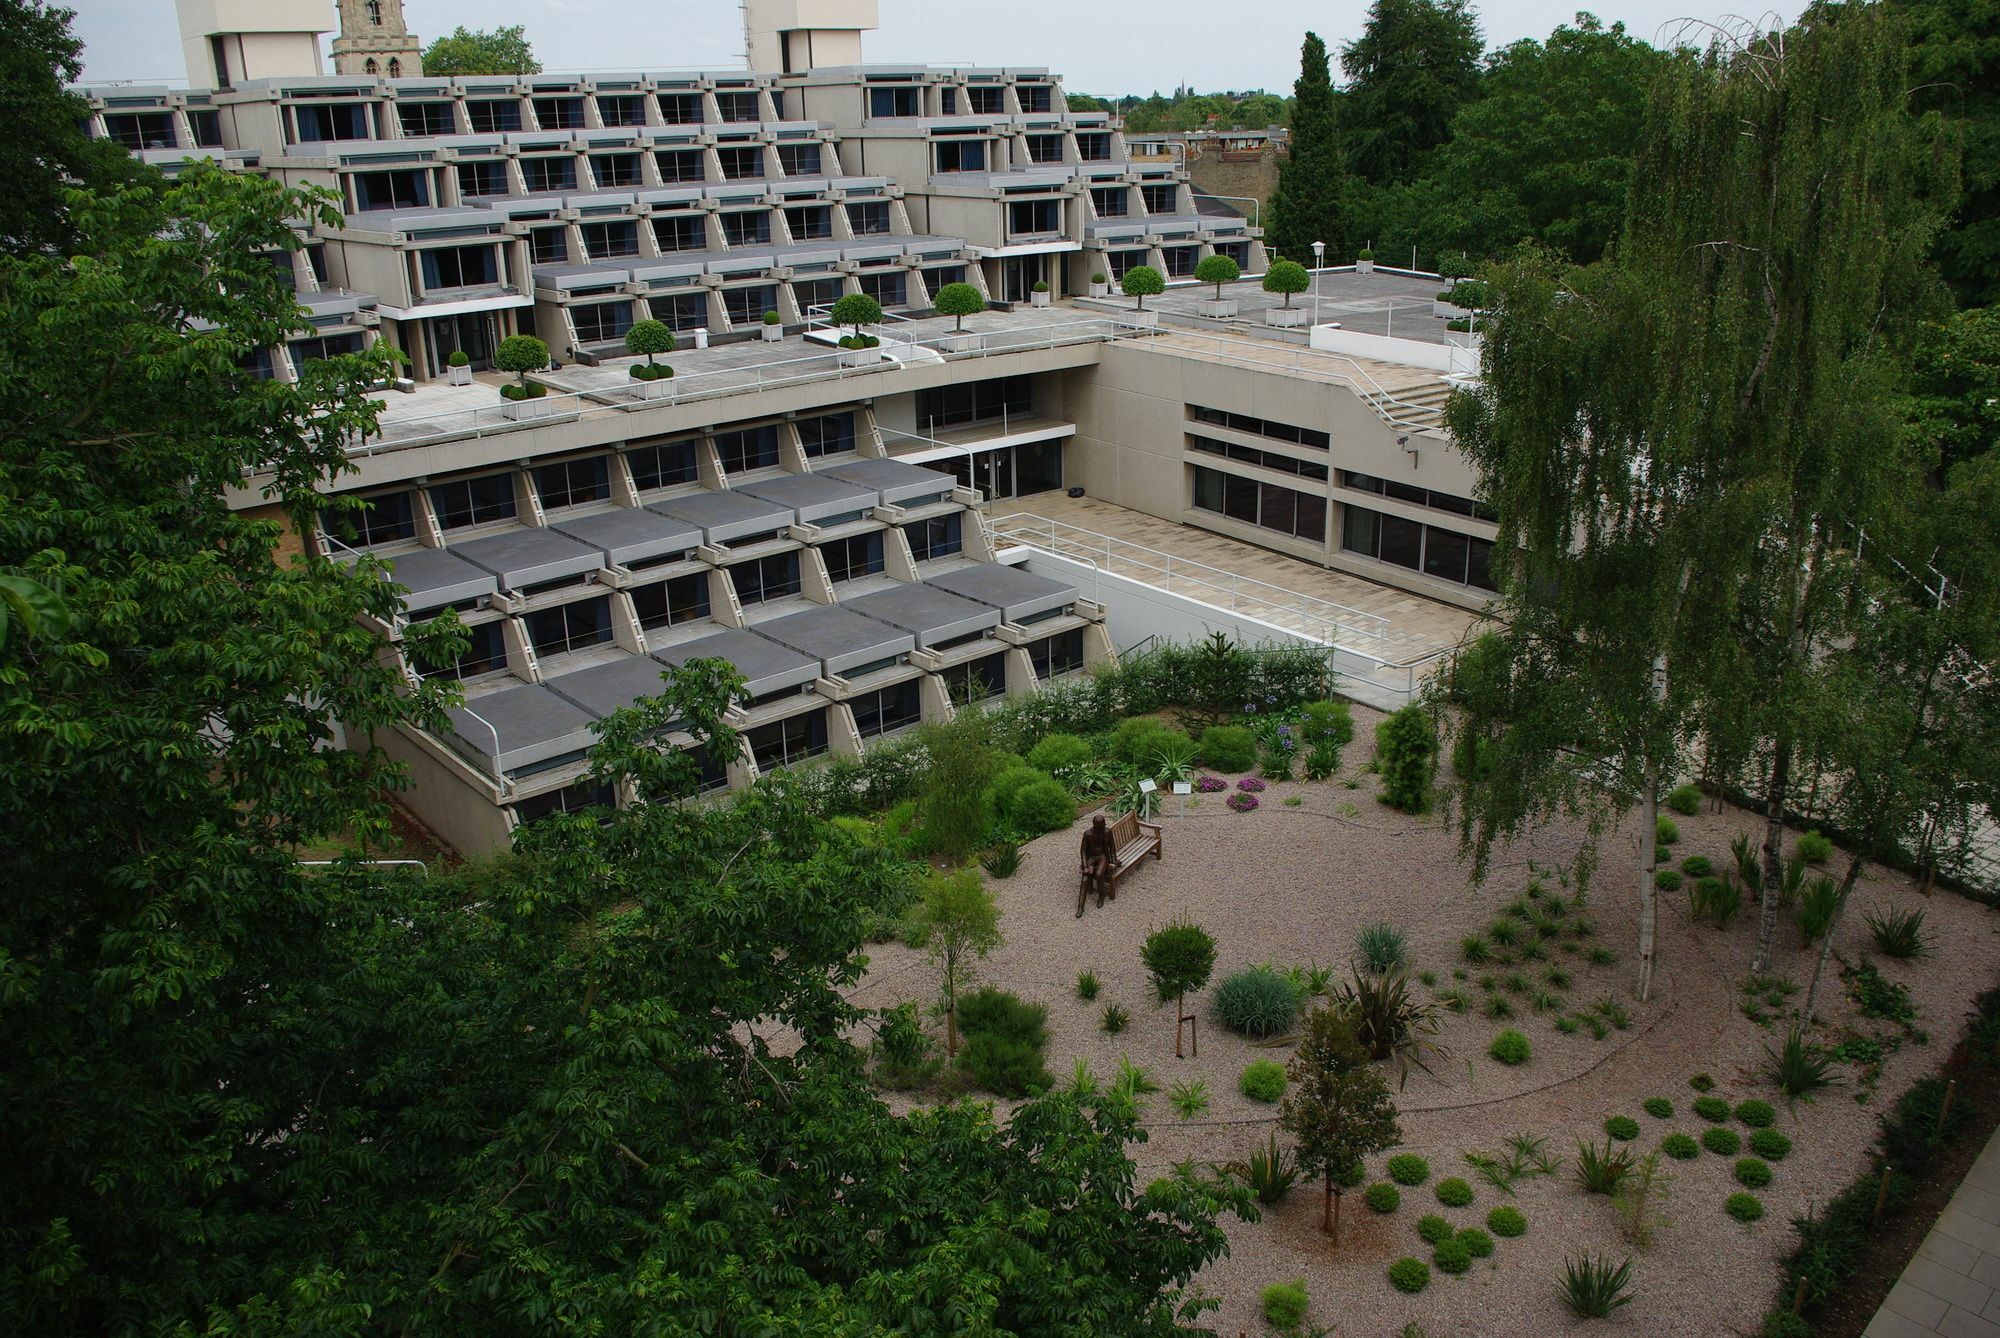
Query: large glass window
[[662, 464], [551, 245], [940, 536], [868, 218], [747, 448], [680, 108], [574, 482], [847, 559], [973, 401], [737, 106], [1111, 201], [391, 190], [1161, 199], [574, 626], [420, 119], [829, 435], [746, 306], [1250, 455], [961, 155], [486, 654], [799, 160], [625, 110], [548, 175], [889, 288], [987, 101], [1181, 260], [1045, 148], [680, 311], [611, 241], [747, 227], [680, 232], [460, 266], [615, 170], [679, 165], [559, 113], [1093, 147], [383, 518], [1266, 505], [1416, 496], [493, 118], [741, 162], [487, 178], [1034, 98], [670, 603], [895, 102], [476, 501], [810, 222], [878, 713], [1431, 549], [206, 127], [1057, 655], [1034, 217], [784, 742], [817, 292], [1263, 427], [766, 578], [977, 680], [1122, 261], [604, 323], [331, 122], [570, 799]]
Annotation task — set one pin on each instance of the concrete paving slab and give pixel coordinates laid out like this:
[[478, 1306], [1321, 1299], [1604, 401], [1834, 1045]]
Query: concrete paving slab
[[1952, 1288]]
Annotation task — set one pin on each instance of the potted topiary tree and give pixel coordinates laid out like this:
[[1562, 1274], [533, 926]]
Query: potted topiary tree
[[1142, 282], [1039, 296], [649, 338], [458, 368], [1364, 263], [1099, 285], [774, 327], [1287, 277], [521, 354], [1218, 270], [854, 311], [960, 300]]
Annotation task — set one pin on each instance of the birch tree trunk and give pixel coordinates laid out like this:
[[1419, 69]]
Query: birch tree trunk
[[1826, 943]]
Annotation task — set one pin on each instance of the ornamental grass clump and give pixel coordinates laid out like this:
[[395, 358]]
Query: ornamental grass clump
[[1257, 1002], [1380, 946], [1592, 1287]]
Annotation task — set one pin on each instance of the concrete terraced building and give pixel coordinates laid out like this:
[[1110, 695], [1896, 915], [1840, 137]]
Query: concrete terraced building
[[821, 517]]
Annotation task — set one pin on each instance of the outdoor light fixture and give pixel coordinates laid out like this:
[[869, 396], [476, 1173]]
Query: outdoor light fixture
[[1404, 442]]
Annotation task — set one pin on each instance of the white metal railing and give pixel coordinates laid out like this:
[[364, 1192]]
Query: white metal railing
[[1391, 408], [1332, 624]]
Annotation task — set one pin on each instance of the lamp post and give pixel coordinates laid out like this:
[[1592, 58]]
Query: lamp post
[[1319, 263]]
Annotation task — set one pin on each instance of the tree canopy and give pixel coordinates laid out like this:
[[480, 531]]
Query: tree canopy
[[1955, 71], [482, 51], [1414, 65], [1311, 201]]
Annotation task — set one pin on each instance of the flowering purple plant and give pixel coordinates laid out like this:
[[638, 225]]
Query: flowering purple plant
[[1250, 785], [1210, 784], [1243, 803]]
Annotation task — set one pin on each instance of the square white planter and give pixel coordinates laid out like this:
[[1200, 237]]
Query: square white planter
[[1217, 311], [965, 342], [1139, 320], [1038, 299], [458, 376], [1364, 267], [661, 389], [1288, 318], [521, 411], [858, 357], [1446, 311], [1100, 290], [773, 333]]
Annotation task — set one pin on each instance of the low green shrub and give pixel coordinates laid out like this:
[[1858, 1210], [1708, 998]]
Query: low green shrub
[[1433, 1228], [1697, 866], [1815, 848], [1009, 781], [1263, 1080], [1752, 1173], [1383, 1197], [1058, 754], [1043, 806], [1622, 1127], [1476, 1242], [1453, 1192], [1256, 1002], [1409, 1275], [1228, 748], [1451, 1256], [1114, 1019], [1712, 1108], [1745, 1208], [1770, 1144], [1510, 1047], [1667, 880], [1507, 1221], [1138, 738], [1920, 1127], [1756, 1114], [1665, 831], [1685, 800], [1701, 1082], [1381, 947], [1659, 1107], [1721, 1140], [1005, 1037], [1680, 1147], [1285, 1304], [1086, 985], [1407, 1168]]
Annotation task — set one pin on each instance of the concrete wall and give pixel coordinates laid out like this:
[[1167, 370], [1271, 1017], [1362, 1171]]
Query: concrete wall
[[1448, 358]]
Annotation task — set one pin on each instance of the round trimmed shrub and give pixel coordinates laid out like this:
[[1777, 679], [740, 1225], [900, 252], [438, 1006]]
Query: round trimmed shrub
[[1257, 1002], [1814, 848], [1751, 1173], [1058, 753], [1510, 1047], [1453, 1192], [1228, 748], [1507, 1221], [1685, 800], [1680, 1147], [1744, 1208], [1712, 1108], [1407, 1168], [1723, 1142], [1770, 1144], [1667, 880], [1285, 1304], [1433, 1228], [1701, 1082], [1383, 1197], [1263, 1080], [1659, 1108], [1451, 1256], [1666, 832], [1622, 1127], [1756, 1114], [1409, 1275], [1476, 1242], [1697, 866], [1042, 806]]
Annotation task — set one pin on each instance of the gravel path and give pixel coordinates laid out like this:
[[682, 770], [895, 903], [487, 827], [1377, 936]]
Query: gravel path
[[1292, 885]]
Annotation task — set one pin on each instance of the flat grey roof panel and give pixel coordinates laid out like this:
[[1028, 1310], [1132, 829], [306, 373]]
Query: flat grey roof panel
[[928, 614], [766, 666], [604, 688], [726, 515], [436, 578], [1017, 594], [532, 725], [528, 557], [898, 483], [631, 534], [814, 497], [839, 638]]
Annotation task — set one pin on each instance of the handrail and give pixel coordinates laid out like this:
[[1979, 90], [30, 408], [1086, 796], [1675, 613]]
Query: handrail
[[363, 863], [1374, 388]]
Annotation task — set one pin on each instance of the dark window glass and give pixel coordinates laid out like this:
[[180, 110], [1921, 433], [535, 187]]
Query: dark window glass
[[1034, 217], [545, 175], [1121, 261], [974, 401], [662, 464], [977, 680], [1161, 199], [604, 323], [490, 118], [486, 654], [766, 578], [799, 160], [817, 292], [391, 190], [475, 179], [847, 559], [614, 170], [570, 799], [1093, 148], [574, 626], [1444, 554], [325, 346], [1312, 518], [680, 232], [961, 155], [1241, 422], [749, 227], [889, 289], [1402, 541], [942, 275], [1111, 201], [877, 713], [940, 536], [827, 436], [746, 306], [1033, 97], [337, 121], [1479, 565], [988, 101], [559, 113], [385, 518], [669, 603], [1038, 467], [420, 119], [1045, 148], [1358, 531], [551, 245], [736, 106], [783, 742], [749, 448], [460, 266], [1181, 260], [1057, 655], [894, 102], [611, 241], [680, 311], [809, 223], [630, 110], [206, 126], [741, 163], [680, 108], [473, 501], [574, 482], [679, 165], [870, 219]]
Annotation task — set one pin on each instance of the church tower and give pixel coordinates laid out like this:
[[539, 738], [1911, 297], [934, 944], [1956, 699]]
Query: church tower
[[373, 40]]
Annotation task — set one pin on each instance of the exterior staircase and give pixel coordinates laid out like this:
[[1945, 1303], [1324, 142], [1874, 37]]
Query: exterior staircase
[[1418, 408]]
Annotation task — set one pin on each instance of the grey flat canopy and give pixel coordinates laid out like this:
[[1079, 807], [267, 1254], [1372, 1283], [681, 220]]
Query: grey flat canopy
[[815, 497], [631, 534], [900, 484], [604, 688], [524, 558], [436, 578], [766, 666], [533, 725], [1018, 594], [725, 516], [837, 637], [931, 616]]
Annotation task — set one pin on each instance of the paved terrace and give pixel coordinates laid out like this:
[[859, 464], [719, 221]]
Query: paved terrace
[[1952, 1287], [1397, 305]]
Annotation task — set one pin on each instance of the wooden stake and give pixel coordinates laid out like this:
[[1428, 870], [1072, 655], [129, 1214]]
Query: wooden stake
[[1944, 1107], [1799, 1297], [1882, 1194]]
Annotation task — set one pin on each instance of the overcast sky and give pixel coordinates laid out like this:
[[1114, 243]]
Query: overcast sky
[[1099, 46]]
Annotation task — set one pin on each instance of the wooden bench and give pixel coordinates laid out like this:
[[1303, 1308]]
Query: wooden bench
[[1132, 840]]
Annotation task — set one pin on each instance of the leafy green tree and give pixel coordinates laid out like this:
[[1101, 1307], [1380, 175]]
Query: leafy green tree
[[856, 310], [953, 801], [1287, 277], [649, 338], [479, 51], [1954, 390], [956, 921], [1406, 747], [1142, 282], [33, 607], [1083, 102], [1955, 72], [45, 149], [1179, 960], [1338, 1107], [1310, 203], [521, 354], [959, 300], [1414, 65], [1218, 270]]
